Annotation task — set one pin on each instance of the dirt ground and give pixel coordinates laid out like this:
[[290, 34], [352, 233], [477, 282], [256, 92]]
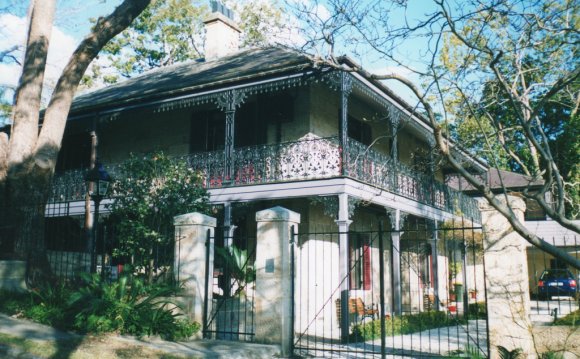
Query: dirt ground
[[560, 339], [103, 347]]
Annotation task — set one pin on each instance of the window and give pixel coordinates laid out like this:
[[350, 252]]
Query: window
[[207, 131], [360, 261], [75, 153], [359, 131]]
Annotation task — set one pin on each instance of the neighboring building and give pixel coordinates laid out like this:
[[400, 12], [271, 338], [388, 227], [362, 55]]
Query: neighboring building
[[267, 127], [535, 217]]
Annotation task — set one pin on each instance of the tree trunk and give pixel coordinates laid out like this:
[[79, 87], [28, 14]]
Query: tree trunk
[[27, 200], [27, 162]]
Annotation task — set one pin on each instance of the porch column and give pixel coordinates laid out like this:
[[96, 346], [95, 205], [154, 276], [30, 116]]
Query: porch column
[[394, 124], [396, 260], [228, 242], [507, 286], [228, 102], [343, 223], [274, 298], [435, 263], [194, 257], [228, 226], [345, 89], [394, 150]]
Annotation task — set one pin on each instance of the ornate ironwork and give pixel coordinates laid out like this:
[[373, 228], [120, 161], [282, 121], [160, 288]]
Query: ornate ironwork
[[230, 100], [310, 158], [329, 203]]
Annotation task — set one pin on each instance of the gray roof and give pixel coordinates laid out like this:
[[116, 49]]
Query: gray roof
[[190, 76], [553, 233], [495, 178]]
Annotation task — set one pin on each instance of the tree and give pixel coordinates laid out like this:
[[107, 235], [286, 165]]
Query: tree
[[169, 32], [28, 156], [149, 192], [508, 62]]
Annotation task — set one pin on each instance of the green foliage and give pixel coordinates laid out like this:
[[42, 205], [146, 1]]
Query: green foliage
[[235, 261], [509, 354], [405, 324], [14, 303], [471, 352], [128, 306], [572, 319], [149, 192], [5, 108], [552, 355], [477, 310]]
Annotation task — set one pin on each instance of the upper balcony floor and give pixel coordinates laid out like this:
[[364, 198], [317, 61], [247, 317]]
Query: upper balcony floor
[[285, 130]]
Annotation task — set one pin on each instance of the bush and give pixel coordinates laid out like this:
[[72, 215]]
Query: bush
[[13, 303], [149, 191], [128, 306], [405, 324], [477, 310], [572, 318]]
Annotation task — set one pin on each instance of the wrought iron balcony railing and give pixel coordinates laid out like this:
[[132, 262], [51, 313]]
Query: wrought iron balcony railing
[[308, 159]]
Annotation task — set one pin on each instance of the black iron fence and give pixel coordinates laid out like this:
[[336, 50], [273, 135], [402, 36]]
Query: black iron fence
[[418, 292], [230, 289], [73, 245]]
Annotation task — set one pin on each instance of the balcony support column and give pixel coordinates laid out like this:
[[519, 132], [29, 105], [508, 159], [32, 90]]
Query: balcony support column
[[435, 263], [396, 260], [345, 90], [228, 102], [343, 223]]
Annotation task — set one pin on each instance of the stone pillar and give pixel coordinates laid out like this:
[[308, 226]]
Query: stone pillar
[[194, 258], [506, 268], [343, 223], [13, 275], [274, 301]]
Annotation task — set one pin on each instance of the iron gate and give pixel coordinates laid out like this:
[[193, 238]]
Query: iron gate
[[229, 290], [438, 309]]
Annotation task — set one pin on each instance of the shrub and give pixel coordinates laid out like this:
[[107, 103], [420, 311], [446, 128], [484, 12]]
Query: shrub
[[127, 306], [572, 318], [405, 324], [13, 303], [149, 192], [477, 310]]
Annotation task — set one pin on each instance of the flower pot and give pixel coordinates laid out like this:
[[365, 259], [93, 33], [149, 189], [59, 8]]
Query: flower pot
[[458, 290]]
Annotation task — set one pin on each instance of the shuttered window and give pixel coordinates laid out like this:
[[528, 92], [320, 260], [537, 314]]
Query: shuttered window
[[360, 261]]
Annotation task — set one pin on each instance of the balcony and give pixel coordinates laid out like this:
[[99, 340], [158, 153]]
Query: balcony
[[309, 159]]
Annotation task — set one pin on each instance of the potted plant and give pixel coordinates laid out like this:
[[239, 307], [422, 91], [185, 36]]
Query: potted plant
[[458, 289], [472, 293]]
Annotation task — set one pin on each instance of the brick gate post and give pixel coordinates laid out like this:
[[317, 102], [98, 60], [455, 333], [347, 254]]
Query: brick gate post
[[273, 301], [506, 271], [194, 258]]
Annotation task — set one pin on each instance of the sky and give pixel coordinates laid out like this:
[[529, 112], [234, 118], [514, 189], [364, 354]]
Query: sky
[[72, 23]]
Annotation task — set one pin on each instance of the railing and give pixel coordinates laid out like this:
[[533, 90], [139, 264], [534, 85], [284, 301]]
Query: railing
[[308, 159]]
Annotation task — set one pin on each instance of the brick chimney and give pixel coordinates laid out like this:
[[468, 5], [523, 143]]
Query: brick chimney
[[222, 33]]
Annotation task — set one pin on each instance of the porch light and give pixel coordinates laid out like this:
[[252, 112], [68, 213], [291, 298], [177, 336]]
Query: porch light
[[100, 180]]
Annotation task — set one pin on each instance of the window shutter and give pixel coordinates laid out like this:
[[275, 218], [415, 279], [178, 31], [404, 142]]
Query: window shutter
[[366, 266]]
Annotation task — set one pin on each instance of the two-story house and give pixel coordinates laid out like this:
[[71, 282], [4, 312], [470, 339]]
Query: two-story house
[[271, 127]]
